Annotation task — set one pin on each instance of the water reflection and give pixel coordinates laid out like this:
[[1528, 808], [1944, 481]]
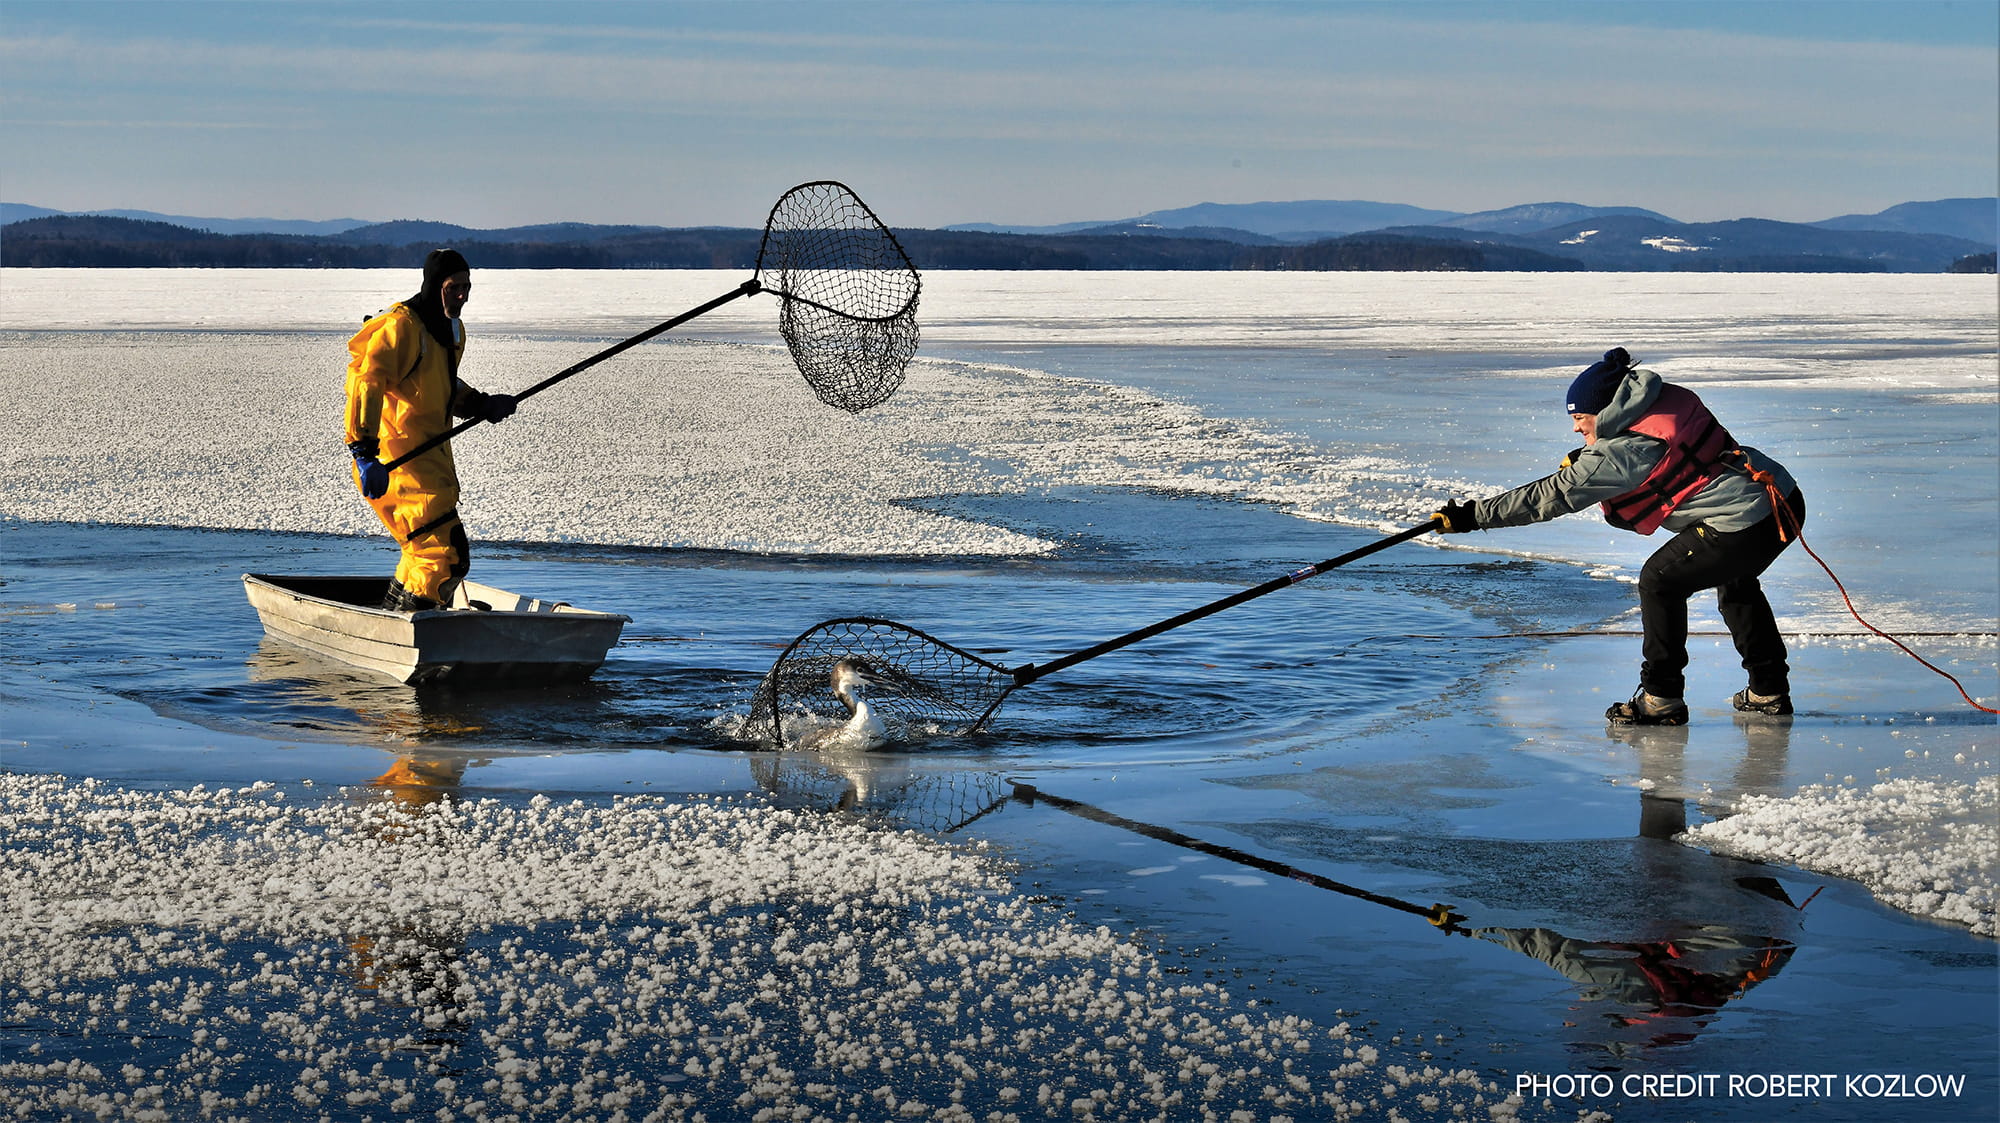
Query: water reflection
[[1767, 753], [897, 789], [1662, 749], [1702, 934], [412, 968], [1658, 992], [1655, 952], [302, 692], [297, 691], [419, 779], [1666, 990]]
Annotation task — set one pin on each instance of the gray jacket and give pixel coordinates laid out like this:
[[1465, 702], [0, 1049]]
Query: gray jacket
[[1620, 461]]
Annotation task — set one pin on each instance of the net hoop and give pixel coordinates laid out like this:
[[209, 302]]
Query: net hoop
[[816, 236], [919, 679], [847, 292]]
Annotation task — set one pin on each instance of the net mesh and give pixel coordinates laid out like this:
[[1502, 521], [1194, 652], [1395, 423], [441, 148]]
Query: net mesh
[[848, 293], [920, 683], [850, 364]]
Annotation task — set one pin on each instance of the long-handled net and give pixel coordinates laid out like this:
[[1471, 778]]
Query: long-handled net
[[935, 688], [847, 302]]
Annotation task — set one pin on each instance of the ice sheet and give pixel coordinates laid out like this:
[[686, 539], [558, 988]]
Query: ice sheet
[[1401, 390], [844, 948]]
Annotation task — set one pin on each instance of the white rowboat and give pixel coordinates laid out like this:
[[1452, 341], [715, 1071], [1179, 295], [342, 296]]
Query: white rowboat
[[488, 635]]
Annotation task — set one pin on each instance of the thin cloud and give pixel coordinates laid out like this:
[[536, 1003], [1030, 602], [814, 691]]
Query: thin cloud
[[1063, 107]]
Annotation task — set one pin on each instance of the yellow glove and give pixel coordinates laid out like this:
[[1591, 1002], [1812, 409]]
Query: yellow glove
[[1570, 458]]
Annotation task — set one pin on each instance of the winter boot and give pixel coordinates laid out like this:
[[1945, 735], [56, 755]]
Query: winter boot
[[399, 599], [1646, 709], [1750, 702]]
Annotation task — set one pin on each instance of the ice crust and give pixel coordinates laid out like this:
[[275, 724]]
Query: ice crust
[[211, 398], [273, 954], [685, 444], [1928, 847]]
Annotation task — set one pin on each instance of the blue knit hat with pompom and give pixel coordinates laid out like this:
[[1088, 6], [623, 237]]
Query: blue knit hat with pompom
[[1598, 384]]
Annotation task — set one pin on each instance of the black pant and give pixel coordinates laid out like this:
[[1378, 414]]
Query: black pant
[[1729, 563], [462, 546]]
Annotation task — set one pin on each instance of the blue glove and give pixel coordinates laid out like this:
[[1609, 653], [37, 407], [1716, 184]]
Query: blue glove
[[367, 454], [374, 477]]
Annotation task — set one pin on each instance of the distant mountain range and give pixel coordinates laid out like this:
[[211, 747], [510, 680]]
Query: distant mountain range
[[1911, 237], [21, 212], [1971, 219]]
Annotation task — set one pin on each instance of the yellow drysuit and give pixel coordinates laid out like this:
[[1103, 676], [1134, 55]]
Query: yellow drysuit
[[400, 381]]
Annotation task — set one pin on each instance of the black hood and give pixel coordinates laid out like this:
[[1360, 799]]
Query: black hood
[[440, 265]]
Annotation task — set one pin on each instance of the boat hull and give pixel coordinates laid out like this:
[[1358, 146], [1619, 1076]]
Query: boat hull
[[489, 636]]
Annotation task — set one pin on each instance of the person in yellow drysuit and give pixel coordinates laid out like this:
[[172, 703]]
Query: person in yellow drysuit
[[402, 390]]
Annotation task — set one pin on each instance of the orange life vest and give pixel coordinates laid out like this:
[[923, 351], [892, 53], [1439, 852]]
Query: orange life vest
[[1696, 444]]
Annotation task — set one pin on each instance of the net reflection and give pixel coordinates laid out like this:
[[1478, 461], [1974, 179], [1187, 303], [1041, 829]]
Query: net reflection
[[895, 789], [1705, 934]]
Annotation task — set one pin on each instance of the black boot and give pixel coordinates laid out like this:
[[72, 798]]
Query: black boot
[[1646, 709], [1749, 702], [399, 599]]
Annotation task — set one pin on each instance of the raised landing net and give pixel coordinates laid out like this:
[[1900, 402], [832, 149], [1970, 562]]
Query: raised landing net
[[849, 293]]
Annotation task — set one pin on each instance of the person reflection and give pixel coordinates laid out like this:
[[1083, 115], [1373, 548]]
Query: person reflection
[[1662, 992], [1662, 753], [418, 779], [1767, 752], [413, 966], [1659, 988], [1663, 782]]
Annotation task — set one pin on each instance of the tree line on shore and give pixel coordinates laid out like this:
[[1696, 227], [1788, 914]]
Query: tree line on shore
[[90, 241]]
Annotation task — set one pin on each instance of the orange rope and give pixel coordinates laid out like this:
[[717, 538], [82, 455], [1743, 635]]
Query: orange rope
[[1787, 519]]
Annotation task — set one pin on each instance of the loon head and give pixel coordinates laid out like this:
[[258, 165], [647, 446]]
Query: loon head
[[851, 678]]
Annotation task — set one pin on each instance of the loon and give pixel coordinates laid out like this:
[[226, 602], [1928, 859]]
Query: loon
[[864, 729]]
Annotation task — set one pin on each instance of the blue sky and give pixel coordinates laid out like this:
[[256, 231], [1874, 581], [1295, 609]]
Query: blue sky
[[689, 113]]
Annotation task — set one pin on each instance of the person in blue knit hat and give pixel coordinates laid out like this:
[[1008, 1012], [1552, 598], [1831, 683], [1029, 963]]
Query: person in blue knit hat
[[1653, 456]]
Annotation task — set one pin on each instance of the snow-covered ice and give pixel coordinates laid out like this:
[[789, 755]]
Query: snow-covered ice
[[1925, 846], [642, 959]]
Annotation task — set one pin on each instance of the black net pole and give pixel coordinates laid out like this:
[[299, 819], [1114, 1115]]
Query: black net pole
[[1027, 674], [747, 288], [936, 686]]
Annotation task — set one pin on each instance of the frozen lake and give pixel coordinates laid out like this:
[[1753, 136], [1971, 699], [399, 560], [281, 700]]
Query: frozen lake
[[1074, 455]]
